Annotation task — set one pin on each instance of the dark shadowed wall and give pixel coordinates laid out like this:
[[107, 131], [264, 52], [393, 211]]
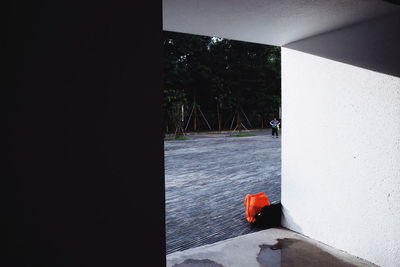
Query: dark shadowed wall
[[84, 143], [372, 45]]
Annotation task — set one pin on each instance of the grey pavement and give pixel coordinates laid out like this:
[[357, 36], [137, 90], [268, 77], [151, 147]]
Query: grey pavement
[[206, 181]]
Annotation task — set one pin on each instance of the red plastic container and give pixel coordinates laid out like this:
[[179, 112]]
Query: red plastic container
[[254, 204]]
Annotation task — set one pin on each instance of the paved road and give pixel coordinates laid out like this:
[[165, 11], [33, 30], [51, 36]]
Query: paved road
[[206, 181]]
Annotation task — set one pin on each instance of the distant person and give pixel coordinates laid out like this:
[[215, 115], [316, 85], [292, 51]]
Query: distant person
[[275, 124]]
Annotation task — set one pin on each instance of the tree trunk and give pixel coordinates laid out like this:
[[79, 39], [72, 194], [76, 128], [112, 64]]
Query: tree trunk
[[262, 122], [178, 121], [239, 121], [179, 131], [219, 118], [195, 114]]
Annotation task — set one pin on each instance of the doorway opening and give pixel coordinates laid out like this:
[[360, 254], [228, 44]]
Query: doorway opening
[[219, 98]]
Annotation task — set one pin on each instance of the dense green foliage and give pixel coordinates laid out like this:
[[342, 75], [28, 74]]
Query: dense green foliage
[[223, 77]]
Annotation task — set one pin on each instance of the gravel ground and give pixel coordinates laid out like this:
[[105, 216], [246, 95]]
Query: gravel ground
[[206, 181]]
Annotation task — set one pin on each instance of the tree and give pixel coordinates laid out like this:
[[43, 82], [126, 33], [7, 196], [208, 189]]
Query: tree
[[223, 76]]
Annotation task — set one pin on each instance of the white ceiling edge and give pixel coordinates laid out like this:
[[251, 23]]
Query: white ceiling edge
[[269, 22]]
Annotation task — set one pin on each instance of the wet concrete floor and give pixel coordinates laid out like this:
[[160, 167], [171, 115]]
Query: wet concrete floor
[[206, 181], [296, 252], [274, 247]]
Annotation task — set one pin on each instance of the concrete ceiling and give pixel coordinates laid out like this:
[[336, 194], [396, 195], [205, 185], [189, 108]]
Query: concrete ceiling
[[272, 22]]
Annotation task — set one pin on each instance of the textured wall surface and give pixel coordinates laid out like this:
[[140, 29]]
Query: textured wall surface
[[268, 21], [341, 155]]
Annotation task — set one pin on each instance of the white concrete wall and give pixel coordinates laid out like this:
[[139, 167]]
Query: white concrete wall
[[341, 156]]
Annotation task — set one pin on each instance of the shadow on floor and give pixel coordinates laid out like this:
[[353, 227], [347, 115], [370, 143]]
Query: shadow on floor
[[295, 252]]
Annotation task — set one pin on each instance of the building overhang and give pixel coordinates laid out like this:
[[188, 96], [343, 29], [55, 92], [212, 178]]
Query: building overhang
[[269, 21], [365, 33]]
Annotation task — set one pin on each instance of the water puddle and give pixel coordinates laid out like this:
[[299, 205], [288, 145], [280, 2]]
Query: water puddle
[[294, 252], [198, 263]]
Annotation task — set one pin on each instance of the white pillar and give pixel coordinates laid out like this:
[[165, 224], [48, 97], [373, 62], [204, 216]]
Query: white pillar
[[341, 156]]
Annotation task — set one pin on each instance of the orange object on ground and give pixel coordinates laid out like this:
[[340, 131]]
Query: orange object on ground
[[254, 204]]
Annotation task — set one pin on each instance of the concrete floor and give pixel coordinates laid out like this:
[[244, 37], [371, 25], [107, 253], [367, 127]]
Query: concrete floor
[[206, 181], [272, 247]]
